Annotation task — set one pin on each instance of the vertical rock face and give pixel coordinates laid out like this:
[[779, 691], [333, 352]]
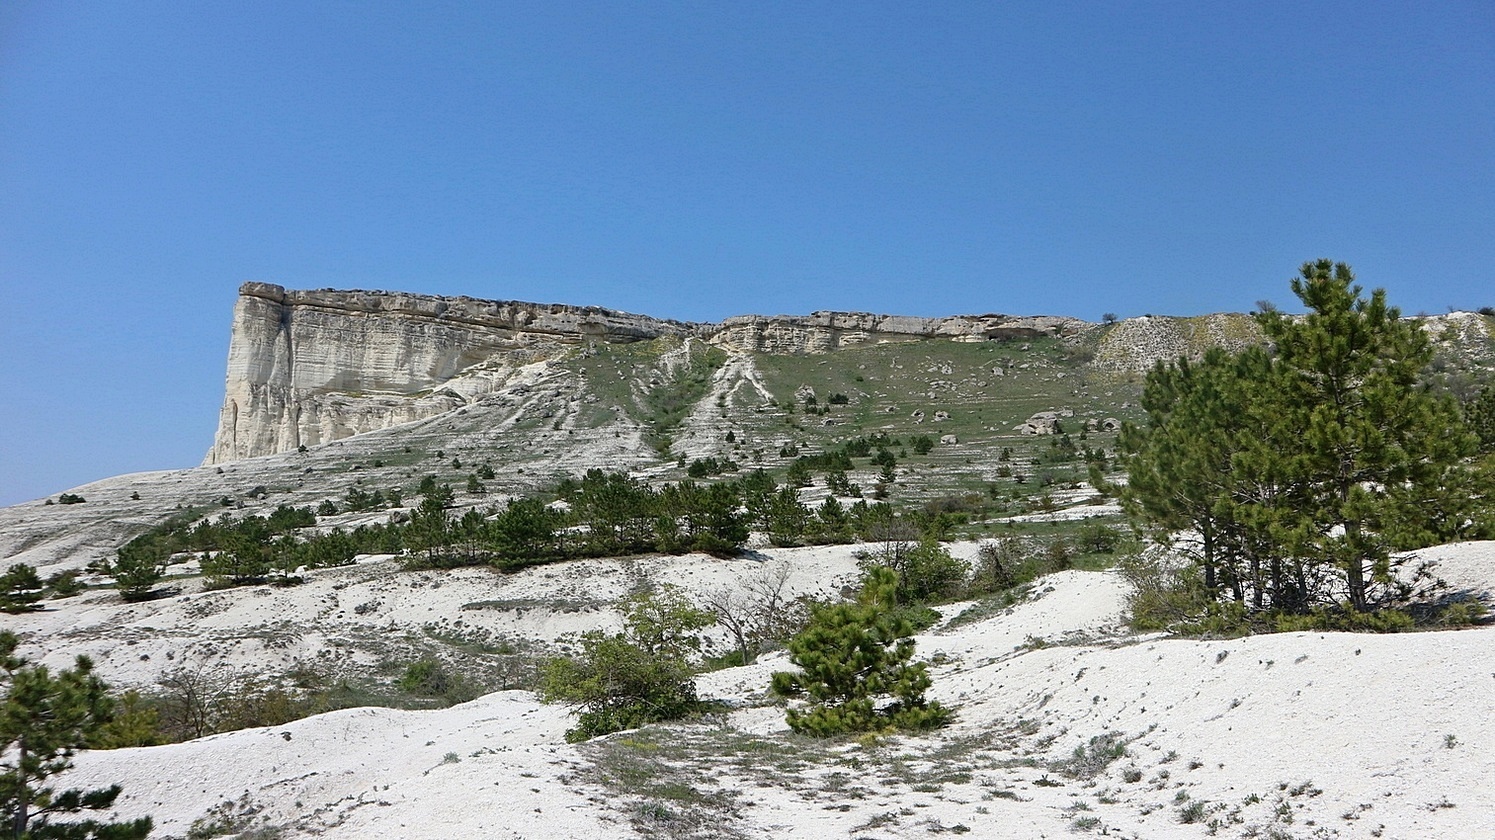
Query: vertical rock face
[[308, 367]]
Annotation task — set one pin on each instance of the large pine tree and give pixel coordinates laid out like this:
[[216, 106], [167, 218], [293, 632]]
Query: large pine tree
[[1305, 465], [1370, 446]]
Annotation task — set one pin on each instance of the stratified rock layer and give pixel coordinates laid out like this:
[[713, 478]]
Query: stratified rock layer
[[824, 332], [308, 367]]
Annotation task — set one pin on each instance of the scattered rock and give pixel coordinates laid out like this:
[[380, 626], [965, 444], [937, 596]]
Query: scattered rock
[[1043, 423]]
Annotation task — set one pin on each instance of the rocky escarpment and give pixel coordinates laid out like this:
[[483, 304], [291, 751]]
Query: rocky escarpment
[[824, 332], [309, 367]]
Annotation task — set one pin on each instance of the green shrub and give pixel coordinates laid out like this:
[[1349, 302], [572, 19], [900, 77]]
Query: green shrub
[[616, 684], [1095, 538], [1346, 618], [1462, 613], [426, 678], [926, 572], [1088, 760], [625, 680], [1162, 593], [64, 584], [1193, 812]]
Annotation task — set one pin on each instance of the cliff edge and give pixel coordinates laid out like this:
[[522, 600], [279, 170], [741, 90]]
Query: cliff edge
[[308, 367]]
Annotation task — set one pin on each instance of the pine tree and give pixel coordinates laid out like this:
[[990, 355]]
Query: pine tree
[[1479, 413], [525, 532], [849, 656], [787, 517], [44, 719], [21, 589], [1207, 462], [1303, 467], [430, 526], [140, 566], [1371, 445]]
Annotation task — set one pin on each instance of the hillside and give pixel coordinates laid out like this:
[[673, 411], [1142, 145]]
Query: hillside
[[1065, 724]]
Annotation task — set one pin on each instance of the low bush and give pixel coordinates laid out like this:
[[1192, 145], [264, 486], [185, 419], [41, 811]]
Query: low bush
[[641, 675]]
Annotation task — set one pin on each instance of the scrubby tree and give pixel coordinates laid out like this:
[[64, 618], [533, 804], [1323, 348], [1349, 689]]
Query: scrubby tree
[[853, 657], [930, 573], [757, 612], [641, 675], [45, 718]]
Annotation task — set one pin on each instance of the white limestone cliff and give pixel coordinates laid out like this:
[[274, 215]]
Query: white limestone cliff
[[309, 367]]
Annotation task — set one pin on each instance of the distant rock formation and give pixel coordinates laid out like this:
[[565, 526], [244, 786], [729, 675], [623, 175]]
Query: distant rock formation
[[308, 367], [1043, 422], [825, 332], [1136, 344]]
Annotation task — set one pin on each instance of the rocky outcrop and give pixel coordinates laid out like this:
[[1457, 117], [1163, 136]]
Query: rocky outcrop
[[824, 332], [1136, 344], [1043, 422], [308, 367]]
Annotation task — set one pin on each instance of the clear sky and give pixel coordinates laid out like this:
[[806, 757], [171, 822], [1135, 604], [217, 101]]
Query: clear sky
[[696, 160]]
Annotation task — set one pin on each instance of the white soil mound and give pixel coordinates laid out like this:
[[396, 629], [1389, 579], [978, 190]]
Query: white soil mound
[[1065, 724]]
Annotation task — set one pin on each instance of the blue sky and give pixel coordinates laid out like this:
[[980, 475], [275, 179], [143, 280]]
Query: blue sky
[[696, 160]]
